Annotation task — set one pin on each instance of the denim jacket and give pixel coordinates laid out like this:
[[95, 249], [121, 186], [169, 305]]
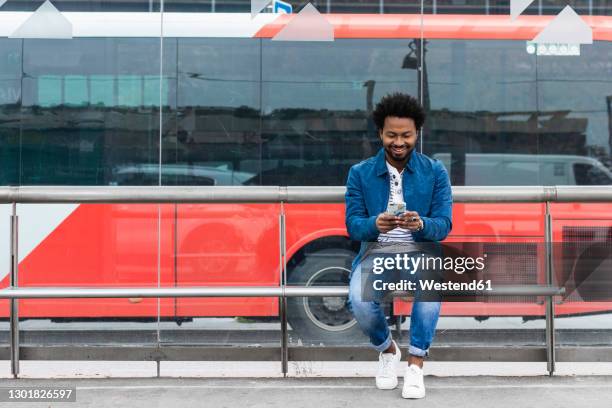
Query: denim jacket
[[426, 190]]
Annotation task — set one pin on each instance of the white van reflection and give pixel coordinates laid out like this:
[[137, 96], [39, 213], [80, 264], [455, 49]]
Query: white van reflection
[[178, 175], [492, 169]]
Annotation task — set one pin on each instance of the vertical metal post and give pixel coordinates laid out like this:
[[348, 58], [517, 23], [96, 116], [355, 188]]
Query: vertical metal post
[[398, 328], [283, 299], [550, 306], [14, 303]]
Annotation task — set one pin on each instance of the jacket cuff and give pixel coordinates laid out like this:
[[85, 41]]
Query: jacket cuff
[[424, 233], [373, 230]]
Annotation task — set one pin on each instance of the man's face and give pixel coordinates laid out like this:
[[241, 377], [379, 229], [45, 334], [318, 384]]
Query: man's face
[[399, 137]]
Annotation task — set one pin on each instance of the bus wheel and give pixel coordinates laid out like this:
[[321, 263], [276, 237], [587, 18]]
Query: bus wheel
[[323, 320]]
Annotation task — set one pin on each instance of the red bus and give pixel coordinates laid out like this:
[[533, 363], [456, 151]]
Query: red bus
[[238, 108]]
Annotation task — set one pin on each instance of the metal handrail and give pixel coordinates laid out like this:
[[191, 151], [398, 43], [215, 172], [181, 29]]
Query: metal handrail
[[289, 194], [247, 291]]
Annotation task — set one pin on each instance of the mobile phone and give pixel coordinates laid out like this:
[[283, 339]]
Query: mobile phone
[[396, 209]]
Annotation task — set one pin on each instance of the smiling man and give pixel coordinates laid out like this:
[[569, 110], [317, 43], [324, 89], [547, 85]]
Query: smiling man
[[398, 177]]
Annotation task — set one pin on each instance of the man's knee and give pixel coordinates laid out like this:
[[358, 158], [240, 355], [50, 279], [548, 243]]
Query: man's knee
[[354, 297], [426, 310], [356, 303]]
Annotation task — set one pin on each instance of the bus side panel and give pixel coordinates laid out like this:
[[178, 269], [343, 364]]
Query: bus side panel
[[100, 245], [228, 245], [307, 222]]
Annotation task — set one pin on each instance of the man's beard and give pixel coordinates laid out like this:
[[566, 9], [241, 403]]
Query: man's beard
[[399, 156]]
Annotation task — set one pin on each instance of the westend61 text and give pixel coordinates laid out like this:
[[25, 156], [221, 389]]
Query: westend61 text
[[429, 285]]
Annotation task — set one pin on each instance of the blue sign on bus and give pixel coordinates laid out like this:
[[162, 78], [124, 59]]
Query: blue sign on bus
[[282, 7]]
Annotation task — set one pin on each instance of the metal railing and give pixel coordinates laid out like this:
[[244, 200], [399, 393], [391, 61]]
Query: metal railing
[[276, 194], [255, 194]]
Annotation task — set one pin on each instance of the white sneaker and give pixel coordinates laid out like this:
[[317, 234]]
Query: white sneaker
[[414, 387], [386, 377]]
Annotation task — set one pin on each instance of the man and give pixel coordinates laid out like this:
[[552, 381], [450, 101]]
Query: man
[[397, 174]]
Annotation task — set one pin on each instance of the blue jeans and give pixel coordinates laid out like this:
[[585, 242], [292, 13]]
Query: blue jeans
[[373, 323]]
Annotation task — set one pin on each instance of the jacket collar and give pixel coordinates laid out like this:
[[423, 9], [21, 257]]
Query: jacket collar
[[381, 166]]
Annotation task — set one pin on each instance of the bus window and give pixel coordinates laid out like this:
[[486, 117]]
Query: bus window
[[589, 175]]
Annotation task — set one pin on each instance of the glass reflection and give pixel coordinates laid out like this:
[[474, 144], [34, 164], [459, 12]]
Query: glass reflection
[[10, 96], [218, 102], [249, 111], [500, 116], [317, 101], [578, 92], [88, 106]]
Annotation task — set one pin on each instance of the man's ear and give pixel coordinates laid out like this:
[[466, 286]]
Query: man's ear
[[380, 134]]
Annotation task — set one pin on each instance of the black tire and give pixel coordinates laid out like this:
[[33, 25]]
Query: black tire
[[323, 320]]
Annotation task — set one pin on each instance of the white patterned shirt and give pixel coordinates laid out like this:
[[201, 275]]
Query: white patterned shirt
[[395, 196]]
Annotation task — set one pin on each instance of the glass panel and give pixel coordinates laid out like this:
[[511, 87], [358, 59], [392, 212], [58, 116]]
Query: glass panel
[[481, 124], [582, 235], [495, 321], [481, 105], [576, 95], [490, 125], [74, 110], [226, 245], [499, 321], [10, 95], [215, 140], [110, 88], [324, 261], [121, 250]]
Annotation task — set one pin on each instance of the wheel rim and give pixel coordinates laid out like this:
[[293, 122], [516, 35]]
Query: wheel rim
[[329, 313]]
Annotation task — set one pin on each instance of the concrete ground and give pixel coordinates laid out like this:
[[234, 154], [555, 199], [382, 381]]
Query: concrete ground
[[456, 392]]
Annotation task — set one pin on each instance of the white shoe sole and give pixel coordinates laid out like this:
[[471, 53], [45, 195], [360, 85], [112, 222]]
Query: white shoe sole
[[413, 394], [387, 387]]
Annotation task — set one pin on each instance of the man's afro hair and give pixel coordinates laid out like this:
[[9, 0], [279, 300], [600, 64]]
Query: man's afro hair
[[398, 105]]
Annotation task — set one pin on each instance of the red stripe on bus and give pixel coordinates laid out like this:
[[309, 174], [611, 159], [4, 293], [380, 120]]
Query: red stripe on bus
[[440, 26]]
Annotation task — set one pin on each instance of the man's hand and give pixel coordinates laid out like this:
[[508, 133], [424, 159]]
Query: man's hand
[[386, 222], [410, 220]]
